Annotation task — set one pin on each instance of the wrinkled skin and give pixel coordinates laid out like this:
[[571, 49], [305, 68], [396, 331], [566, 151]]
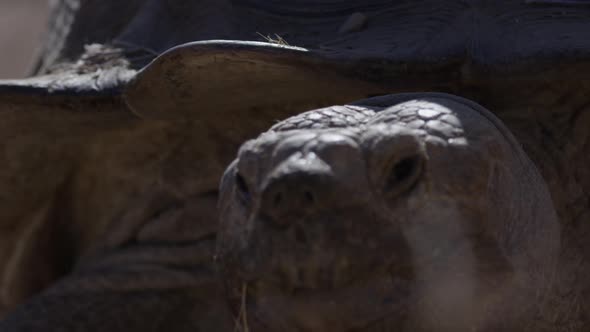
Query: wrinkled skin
[[102, 229], [424, 215]]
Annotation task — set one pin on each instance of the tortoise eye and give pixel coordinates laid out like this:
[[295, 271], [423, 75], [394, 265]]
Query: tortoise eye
[[242, 187], [404, 174]]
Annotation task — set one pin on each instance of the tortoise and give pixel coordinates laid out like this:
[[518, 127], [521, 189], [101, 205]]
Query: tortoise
[[409, 212], [111, 224]]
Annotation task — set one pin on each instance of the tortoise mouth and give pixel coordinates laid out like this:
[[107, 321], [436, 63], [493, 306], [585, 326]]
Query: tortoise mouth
[[286, 293], [282, 263], [383, 301], [354, 306], [334, 277]]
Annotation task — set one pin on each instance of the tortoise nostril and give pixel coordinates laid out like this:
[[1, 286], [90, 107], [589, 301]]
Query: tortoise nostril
[[308, 196], [277, 199], [298, 188], [242, 187]]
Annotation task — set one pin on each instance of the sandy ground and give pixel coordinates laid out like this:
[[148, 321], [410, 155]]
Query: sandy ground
[[22, 23]]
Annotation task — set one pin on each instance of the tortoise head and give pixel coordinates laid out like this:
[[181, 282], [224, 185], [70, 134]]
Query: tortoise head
[[412, 211]]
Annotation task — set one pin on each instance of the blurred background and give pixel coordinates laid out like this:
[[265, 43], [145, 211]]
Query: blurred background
[[22, 24]]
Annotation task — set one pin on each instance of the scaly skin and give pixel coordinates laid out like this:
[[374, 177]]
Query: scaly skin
[[424, 215]]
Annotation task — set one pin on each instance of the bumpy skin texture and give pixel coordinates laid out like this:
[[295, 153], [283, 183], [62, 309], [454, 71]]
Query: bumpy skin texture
[[413, 212]]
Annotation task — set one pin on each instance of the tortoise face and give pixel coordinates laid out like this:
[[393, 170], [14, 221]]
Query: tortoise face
[[395, 222]]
